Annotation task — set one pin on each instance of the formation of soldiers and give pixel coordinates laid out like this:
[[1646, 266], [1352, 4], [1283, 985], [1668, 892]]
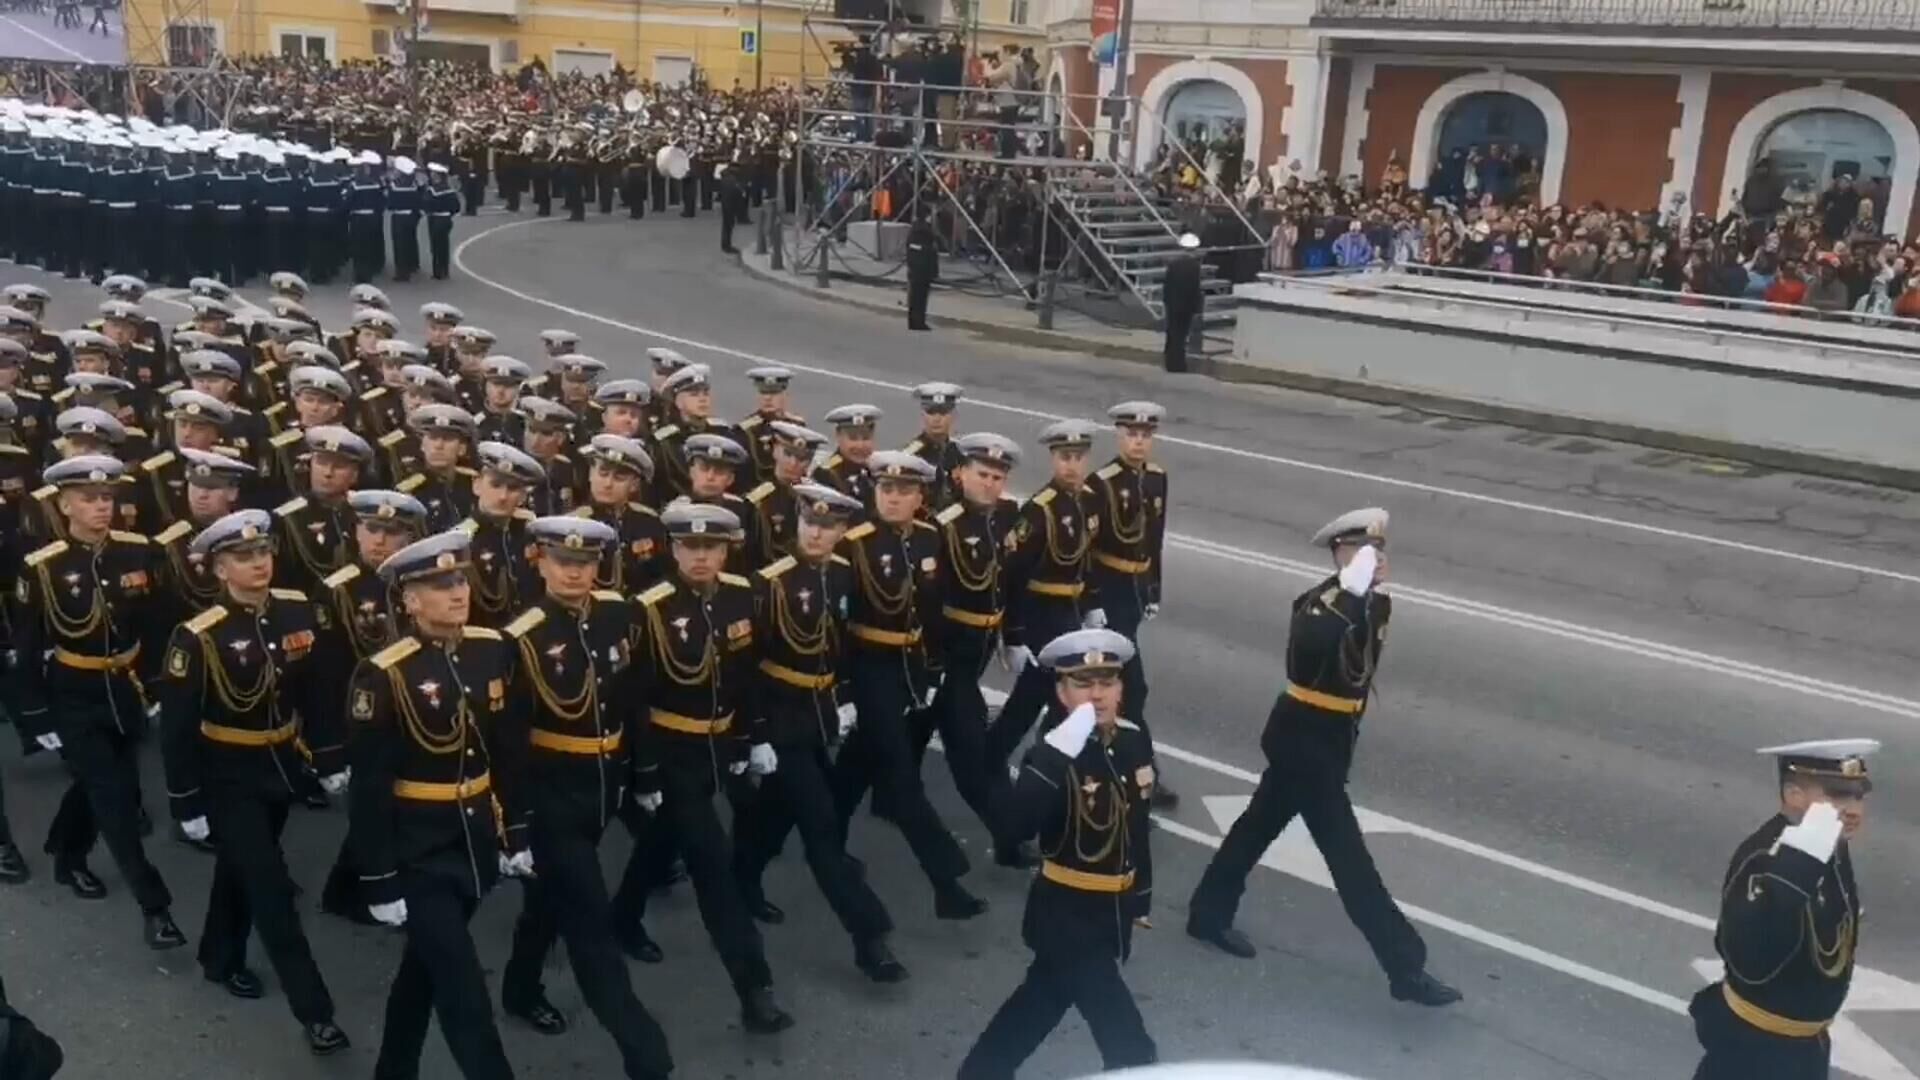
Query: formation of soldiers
[[497, 611]]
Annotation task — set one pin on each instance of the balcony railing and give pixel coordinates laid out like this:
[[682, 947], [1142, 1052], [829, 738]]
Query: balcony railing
[[1758, 16]]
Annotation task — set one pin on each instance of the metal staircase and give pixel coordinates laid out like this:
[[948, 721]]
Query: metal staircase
[[1131, 234]]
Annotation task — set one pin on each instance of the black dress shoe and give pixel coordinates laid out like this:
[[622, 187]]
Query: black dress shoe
[[240, 982], [13, 865], [872, 956], [81, 880], [637, 944], [326, 1038], [1226, 938], [761, 1014], [539, 1014], [766, 911], [1423, 989], [162, 934], [953, 901], [205, 847]]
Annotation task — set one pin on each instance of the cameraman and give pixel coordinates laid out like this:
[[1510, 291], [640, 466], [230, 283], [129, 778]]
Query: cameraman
[[864, 73]]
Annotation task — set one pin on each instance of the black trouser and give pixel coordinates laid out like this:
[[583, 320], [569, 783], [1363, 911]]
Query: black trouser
[[369, 247], [688, 823], [918, 289], [405, 227], [609, 184], [6, 830], [880, 755], [440, 244], [658, 189], [573, 192], [93, 237], [341, 894], [1736, 1050], [473, 192], [799, 796], [251, 891], [70, 241], [123, 241], [323, 247], [685, 187], [278, 251], [633, 191], [1122, 598], [230, 235], [1090, 983], [1178, 327], [543, 192], [726, 227], [568, 899], [103, 803], [512, 182], [960, 712], [440, 975], [1324, 805], [176, 259], [707, 186]]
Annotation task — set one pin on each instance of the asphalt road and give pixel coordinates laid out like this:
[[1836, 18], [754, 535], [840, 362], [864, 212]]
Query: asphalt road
[[39, 36], [1591, 640]]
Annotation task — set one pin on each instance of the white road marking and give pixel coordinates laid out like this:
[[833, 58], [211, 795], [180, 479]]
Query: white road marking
[[459, 261], [80, 56], [1854, 1050]]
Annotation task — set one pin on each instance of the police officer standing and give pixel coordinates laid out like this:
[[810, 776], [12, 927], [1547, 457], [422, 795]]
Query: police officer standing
[[238, 691], [1333, 650], [923, 269], [1789, 922], [1184, 301]]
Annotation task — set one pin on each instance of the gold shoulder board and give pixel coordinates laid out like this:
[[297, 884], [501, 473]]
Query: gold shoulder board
[[274, 409], [950, 515], [833, 461], [1151, 467], [58, 547], [1126, 723], [465, 471], [291, 506], [378, 391], [173, 532], [410, 482], [643, 508], [287, 438], [1112, 470], [395, 653], [469, 526], [343, 575], [479, 633], [774, 570], [158, 461], [667, 432], [609, 596], [1330, 595], [45, 493], [581, 512], [298, 596], [915, 446], [392, 438], [206, 620], [841, 559], [524, 625], [735, 579], [759, 493], [918, 524], [657, 593], [860, 531], [1046, 496], [524, 515], [126, 537], [752, 422]]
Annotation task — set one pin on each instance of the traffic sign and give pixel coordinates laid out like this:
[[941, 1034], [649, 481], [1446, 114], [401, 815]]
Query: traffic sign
[[749, 42]]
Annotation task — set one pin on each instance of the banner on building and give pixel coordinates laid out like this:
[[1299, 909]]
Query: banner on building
[[1106, 30]]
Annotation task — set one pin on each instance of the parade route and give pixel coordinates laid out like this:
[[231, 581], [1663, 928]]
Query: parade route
[[1592, 639]]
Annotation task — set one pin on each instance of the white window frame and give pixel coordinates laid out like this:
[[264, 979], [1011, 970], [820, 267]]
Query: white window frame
[[612, 57], [327, 34], [218, 27], [1020, 12], [692, 64], [492, 43]]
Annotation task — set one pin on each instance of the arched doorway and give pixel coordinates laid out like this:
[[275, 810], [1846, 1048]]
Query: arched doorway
[[1202, 110], [1493, 117], [1803, 153]]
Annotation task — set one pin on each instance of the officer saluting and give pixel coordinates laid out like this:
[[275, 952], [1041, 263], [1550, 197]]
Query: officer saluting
[[564, 742], [238, 691], [431, 827], [1789, 922], [1333, 649], [1084, 792]]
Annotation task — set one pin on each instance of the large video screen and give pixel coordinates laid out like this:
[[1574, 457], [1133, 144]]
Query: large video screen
[[64, 31]]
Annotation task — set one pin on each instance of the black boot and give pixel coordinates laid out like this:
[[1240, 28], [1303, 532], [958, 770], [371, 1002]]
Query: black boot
[[13, 865], [325, 1038], [81, 880], [1226, 938], [639, 945], [239, 982], [951, 900], [1423, 989], [872, 956], [161, 933], [538, 1012], [761, 1014]]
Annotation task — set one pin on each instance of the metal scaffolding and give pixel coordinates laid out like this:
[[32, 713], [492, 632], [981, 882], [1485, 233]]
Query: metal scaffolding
[[175, 39]]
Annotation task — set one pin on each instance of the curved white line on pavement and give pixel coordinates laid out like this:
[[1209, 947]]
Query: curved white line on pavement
[[459, 261]]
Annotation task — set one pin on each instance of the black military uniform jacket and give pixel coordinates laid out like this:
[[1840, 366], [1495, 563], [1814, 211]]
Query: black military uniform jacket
[[645, 553], [799, 609], [670, 480], [1047, 555], [944, 457], [508, 427], [316, 539], [382, 411], [191, 585], [358, 620], [504, 580], [425, 802], [897, 585], [1090, 814], [88, 629], [695, 654], [562, 490], [563, 738], [846, 477], [34, 425], [1788, 928], [448, 496], [776, 521], [757, 430], [400, 457], [1133, 509], [47, 365], [162, 495], [1333, 649], [236, 694], [973, 603]]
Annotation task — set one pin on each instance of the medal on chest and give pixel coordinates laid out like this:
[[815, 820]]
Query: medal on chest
[[431, 691]]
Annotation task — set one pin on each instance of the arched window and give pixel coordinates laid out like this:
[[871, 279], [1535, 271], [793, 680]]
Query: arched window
[[1202, 110], [1493, 118], [1803, 153]]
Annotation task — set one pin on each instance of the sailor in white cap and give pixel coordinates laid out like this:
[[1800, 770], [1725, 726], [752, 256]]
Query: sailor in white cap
[[1183, 301], [442, 203], [771, 387], [1789, 921], [938, 401], [405, 203], [846, 468], [1333, 650], [366, 205]]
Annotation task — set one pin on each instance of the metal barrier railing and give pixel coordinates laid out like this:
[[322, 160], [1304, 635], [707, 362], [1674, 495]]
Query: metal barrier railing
[[1867, 16]]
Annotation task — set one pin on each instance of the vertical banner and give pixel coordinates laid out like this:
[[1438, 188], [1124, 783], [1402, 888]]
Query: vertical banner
[[1105, 30]]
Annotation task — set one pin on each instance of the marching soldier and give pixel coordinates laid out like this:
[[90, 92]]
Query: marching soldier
[[845, 469], [618, 470], [217, 375], [776, 513], [211, 491], [712, 463], [471, 347], [384, 408], [34, 413], [439, 476], [690, 391], [1131, 491], [666, 363], [431, 827], [896, 594], [1084, 794], [1789, 922], [770, 385], [503, 578], [319, 397], [441, 320], [1046, 576], [42, 367], [197, 421], [575, 375], [443, 202], [365, 199], [625, 408], [564, 742], [1333, 649], [934, 444], [315, 525], [497, 414], [239, 689], [143, 358], [549, 433], [86, 616], [693, 642], [361, 341], [404, 205], [797, 604]]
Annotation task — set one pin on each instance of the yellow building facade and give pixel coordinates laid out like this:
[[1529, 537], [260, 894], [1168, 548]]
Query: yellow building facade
[[657, 39]]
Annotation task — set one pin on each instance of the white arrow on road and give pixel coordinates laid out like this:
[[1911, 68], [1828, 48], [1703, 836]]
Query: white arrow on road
[[1854, 1050]]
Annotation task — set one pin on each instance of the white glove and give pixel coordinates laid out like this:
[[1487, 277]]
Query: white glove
[[1015, 657], [737, 767], [1818, 832], [762, 760], [1147, 613], [518, 864], [1357, 576], [1095, 619], [1072, 734], [849, 716], [394, 914], [49, 741], [153, 711], [648, 800], [196, 830], [337, 783], [933, 691]]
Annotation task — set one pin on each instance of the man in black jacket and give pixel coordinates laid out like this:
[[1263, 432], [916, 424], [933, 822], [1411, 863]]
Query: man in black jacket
[[923, 269], [1184, 301]]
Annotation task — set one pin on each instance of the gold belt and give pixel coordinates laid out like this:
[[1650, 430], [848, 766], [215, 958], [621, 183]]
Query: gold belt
[[1329, 702], [977, 619], [1068, 589], [233, 736], [83, 662], [1085, 881], [875, 636], [589, 745], [673, 721], [797, 678], [1125, 566], [1771, 1023], [429, 792]]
